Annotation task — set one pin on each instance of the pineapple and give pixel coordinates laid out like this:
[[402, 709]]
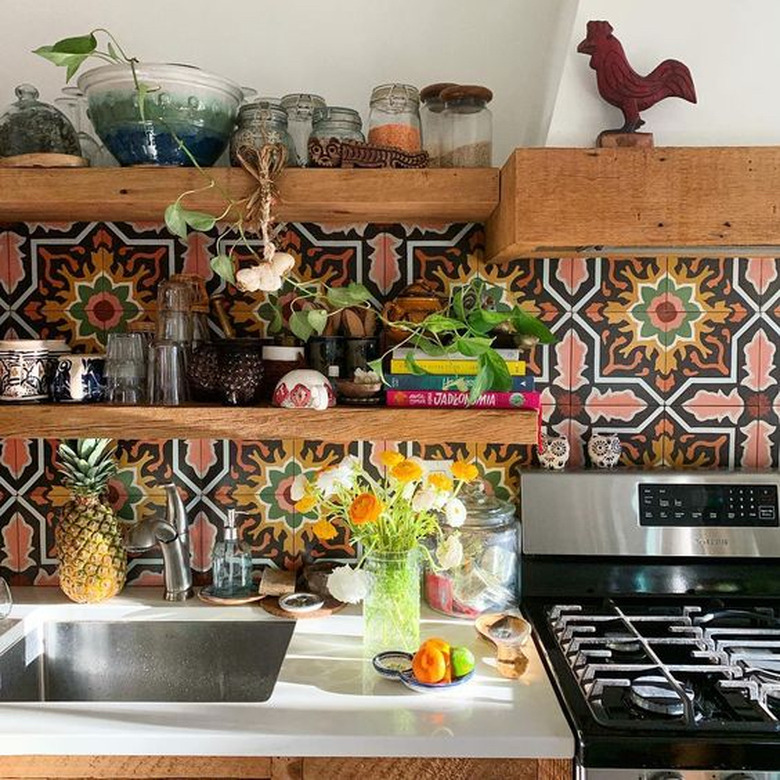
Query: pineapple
[[93, 561]]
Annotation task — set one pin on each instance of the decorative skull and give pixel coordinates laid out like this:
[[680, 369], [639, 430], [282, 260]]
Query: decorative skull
[[554, 452], [604, 450], [304, 388]]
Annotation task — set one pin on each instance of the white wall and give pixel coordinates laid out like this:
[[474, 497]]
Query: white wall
[[730, 47], [337, 48]]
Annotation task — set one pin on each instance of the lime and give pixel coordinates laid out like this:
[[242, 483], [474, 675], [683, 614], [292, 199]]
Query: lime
[[462, 661]]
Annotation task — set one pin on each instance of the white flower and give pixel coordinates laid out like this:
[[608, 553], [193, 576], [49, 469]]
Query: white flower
[[424, 500], [455, 512], [348, 585], [342, 475], [259, 277], [282, 263], [408, 491], [299, 488], [440, 499], [449, 552]]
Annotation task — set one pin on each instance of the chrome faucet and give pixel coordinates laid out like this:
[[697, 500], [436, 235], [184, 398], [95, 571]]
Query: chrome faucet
[[172, 535]]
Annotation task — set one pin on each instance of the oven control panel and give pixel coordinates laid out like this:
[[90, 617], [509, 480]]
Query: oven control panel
[[715, 505]]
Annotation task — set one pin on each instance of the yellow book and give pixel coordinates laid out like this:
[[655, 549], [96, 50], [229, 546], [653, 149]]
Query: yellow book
[[444, 366]]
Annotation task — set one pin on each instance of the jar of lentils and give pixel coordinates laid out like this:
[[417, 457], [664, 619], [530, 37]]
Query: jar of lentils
[[394, 118], [467, 127], [259, 123], [431, 115], [300, 115], [343, 124]]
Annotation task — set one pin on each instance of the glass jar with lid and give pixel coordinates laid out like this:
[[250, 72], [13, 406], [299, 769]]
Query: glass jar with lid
[[300, 116], [343, 124], [431, 115], [262, 122], [486, 579], [467, 127], [394, 118]]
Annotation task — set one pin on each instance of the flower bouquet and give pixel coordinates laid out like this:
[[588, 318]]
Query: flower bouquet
[[394, 521]]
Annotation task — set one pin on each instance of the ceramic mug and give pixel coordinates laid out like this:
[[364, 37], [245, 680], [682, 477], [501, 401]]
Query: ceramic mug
[[24, 370], [79, 379], [304, 389]]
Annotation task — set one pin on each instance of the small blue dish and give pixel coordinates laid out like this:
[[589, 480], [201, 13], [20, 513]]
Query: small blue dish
[[397, 665]]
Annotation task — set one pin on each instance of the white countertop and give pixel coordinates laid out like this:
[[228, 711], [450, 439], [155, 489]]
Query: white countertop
[[324, 703]]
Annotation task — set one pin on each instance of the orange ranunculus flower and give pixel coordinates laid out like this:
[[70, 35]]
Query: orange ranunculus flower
[[406, 471], [466, 472], [366, 508], [305, 504], [390, 458], [440, 481], [324, 529]]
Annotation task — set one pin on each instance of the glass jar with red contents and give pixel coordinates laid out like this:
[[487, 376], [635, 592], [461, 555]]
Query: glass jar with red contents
[[394, 118]]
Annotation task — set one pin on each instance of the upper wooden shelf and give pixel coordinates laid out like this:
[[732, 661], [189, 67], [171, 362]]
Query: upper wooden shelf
[[306, 195], [342, 423], [557, 202]]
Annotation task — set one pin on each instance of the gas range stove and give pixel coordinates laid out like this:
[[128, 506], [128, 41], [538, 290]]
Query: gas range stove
[[662, 634]]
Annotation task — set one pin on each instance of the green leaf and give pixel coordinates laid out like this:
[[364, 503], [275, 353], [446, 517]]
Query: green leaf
[[275, 325], [317, 318], [473, 346], [73, 64], [175, 222], [482, 381], [458, 305], [377, 368], [222, 266], [430, 347], [526, 323], [352, 294], [439, 323], [199, 220], [80, 44], [299, 325], [482, 321], [501, 381], [413, 366], [112, 52]]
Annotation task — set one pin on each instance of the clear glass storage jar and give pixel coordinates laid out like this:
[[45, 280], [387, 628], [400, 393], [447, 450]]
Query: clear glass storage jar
[[486, 580], [300, 116], [394, 118], [259, 123], [467, 127], [431, 116], [343, 124]]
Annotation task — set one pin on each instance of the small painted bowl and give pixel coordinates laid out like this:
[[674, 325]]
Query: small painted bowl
[[397, 665]]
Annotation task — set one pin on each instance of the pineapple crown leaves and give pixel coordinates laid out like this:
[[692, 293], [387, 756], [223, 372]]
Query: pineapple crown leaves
[[86, 465]]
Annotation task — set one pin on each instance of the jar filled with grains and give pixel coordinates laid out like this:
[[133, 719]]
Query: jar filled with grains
[[343, 124], [259, 123], [467, 127], [300, 114], [431, 108], [394, 118]]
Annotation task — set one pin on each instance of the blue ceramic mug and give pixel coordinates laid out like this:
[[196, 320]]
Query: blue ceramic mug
[[79, 379]]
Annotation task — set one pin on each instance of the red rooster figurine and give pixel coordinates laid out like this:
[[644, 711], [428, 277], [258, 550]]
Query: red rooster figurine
[[621, 86]]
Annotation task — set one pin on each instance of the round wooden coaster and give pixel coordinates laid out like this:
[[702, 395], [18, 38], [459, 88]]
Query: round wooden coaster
[[331, 606], [44, 160], [204, 594]]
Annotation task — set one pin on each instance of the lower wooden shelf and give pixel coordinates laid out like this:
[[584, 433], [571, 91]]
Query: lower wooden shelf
[[342, 423]]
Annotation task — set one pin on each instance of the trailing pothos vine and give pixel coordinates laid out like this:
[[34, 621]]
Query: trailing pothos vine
[[466, 325]]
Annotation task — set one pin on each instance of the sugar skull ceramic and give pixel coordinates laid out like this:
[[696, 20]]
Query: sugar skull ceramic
[[554, 452], [78, 378], [304, 388], [604, 450]]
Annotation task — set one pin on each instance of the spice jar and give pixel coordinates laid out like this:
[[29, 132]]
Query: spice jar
[[278, 361], [467, 127], [486, 580], [300, 117], [262, 122], [394, 118], [431, 116], [343, 124]]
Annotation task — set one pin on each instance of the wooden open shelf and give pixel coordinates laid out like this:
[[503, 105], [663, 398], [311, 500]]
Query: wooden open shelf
[[306, 195], [342, 423], [564, 202]]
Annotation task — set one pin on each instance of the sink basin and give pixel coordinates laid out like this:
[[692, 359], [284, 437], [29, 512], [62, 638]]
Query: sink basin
[[154, 661]]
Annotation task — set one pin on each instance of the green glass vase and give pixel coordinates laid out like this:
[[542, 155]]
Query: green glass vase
[[391, 608]]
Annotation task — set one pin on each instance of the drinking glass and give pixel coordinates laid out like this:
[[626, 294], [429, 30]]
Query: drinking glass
[[125, 369], [6, 602], [168, 373]]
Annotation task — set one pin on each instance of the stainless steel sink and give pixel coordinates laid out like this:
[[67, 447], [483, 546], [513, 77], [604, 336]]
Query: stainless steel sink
[[155, 661]]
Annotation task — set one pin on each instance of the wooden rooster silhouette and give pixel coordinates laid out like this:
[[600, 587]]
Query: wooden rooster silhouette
[[621, 86]]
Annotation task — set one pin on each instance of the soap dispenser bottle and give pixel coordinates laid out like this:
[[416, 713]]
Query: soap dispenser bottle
[[231, 562]]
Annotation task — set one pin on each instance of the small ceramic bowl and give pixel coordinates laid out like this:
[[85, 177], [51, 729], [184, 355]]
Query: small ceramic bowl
[[397, 665]]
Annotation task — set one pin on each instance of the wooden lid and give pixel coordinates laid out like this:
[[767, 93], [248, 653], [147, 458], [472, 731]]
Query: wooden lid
[[433, 91], [466, 92]]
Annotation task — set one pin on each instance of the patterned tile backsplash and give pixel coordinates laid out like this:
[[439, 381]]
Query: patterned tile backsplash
[[677, 355]]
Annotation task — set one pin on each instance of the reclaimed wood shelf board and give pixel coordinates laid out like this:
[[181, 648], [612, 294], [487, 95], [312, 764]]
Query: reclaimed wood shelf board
[[306, 194], [569, 202], [341, 423]]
